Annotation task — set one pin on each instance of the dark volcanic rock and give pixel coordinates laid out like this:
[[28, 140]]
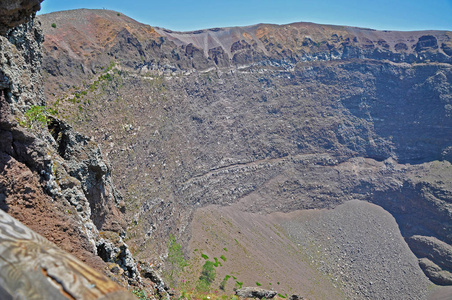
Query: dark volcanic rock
[[427, 42], [127, 43], [435, 273], [433, 249], [14, 12], [447, 49], [219, 57], [401, 47]]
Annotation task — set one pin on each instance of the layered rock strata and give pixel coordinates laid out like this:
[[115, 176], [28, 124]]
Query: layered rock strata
[[274, 118]]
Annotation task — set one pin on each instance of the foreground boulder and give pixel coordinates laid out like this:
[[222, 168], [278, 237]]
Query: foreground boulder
[[255, 292]]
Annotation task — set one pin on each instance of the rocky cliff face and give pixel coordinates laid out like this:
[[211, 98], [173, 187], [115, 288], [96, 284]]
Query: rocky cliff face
[[53, 179], [265, 118], [15, 13]]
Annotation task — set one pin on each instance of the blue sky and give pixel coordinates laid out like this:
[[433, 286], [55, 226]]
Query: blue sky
[[184, 15]]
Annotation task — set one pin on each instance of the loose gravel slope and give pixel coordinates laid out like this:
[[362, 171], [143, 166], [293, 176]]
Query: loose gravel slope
[[354, 251]]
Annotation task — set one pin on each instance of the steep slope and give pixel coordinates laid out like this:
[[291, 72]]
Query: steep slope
[[266, 119], [52, 178]]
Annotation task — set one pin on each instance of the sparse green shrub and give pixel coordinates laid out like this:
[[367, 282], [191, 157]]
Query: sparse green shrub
[[175, 256], [106, 76], [238, 284], [224, 281], [217, 263], [111, 66], [53, 25], [176, 260], [204, 256], [38, 114], [118, 14], [258, 284], [223, 257], [80, 94], [140, 294], [208, 274], [281, 296]]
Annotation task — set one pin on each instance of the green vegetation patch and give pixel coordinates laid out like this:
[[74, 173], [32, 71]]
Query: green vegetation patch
[[140, 294], [38, 115], [176, 260], [238, 284], [208, 275], [224, 281], [175, 256], [217, 263]]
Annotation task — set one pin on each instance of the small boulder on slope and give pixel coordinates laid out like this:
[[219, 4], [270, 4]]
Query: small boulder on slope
[[255, 292]]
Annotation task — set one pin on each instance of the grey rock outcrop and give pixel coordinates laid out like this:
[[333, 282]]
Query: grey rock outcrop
[[118, 252], [20, 61], [147, 271], [255, 292], [83, 161]]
